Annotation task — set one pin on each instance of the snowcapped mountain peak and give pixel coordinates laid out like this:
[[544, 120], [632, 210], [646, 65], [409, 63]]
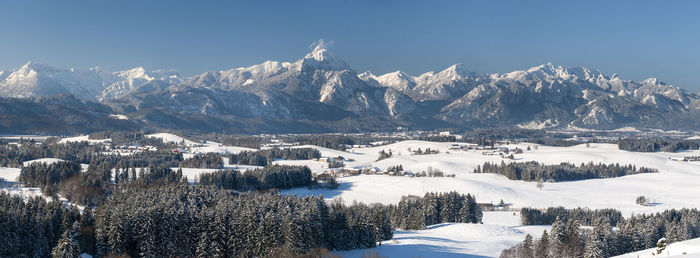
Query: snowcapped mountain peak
[[400, 74], [320, 53], [366, 75], [652, 81], [456, 71], [548, 66], [134, 73], [398, 80], [322, 59], [165, 74], [38, 67], [456, 68], [548, 69]]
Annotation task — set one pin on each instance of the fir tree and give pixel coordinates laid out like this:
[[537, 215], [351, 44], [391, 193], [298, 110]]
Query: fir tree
[[68, 246], [542, 246], [593, 248], [527, 250]]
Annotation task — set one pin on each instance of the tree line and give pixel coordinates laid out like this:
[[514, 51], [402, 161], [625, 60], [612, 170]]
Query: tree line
[[531, 216], [273, 176], [414, 212], [48, 176], [209, 222], [208, 160], [13, 155], [534, 171], [568, 239], [266, 157], [131, 137], [654, 145], [177, 219]]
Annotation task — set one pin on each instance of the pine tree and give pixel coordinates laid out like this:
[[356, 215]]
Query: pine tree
[[527, 251], [203, 245], [542, 246], [557, 238], [68, 246], [116, 236], [593, 248]]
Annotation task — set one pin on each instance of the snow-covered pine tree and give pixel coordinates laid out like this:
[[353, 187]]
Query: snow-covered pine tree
[[593, 248], [203, 249], [542, 246], [68, 246], [557, 238], [527, 250]]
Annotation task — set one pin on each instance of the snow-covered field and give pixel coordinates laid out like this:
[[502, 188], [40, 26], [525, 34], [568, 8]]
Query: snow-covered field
[[685, 249], [44, 160], [168, 137], [216, 147], [192, 174], [500, 230], [82, 138], [675, 186], [10, 175]]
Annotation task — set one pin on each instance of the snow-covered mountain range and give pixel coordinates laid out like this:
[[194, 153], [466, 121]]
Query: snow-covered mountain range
[[322, 90]]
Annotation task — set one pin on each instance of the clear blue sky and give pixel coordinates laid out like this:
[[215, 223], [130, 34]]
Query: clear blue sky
[[636, 39]]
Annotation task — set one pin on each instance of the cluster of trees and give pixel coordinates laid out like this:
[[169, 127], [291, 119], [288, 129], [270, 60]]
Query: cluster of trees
[[397, 168], [208, 160], [266, 157], [568, 239], [138, 159], [336, 142], [209, 222], [13, 155], [534, 171], [414, 212], [384, 155], [425, 152], [96, 183], [130, 137], [48, 176], [152, 212], [531, 216], [491, 136], [438, 138], [642, 200], [253, 142], [654, 145], [33, 227], [273, 176]]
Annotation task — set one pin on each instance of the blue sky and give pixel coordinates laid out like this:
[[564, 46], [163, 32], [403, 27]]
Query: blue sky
[[636, 39]]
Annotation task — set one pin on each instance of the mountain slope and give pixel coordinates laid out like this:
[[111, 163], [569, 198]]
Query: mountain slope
[[320, 92], [62, 114], [35, 79]]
